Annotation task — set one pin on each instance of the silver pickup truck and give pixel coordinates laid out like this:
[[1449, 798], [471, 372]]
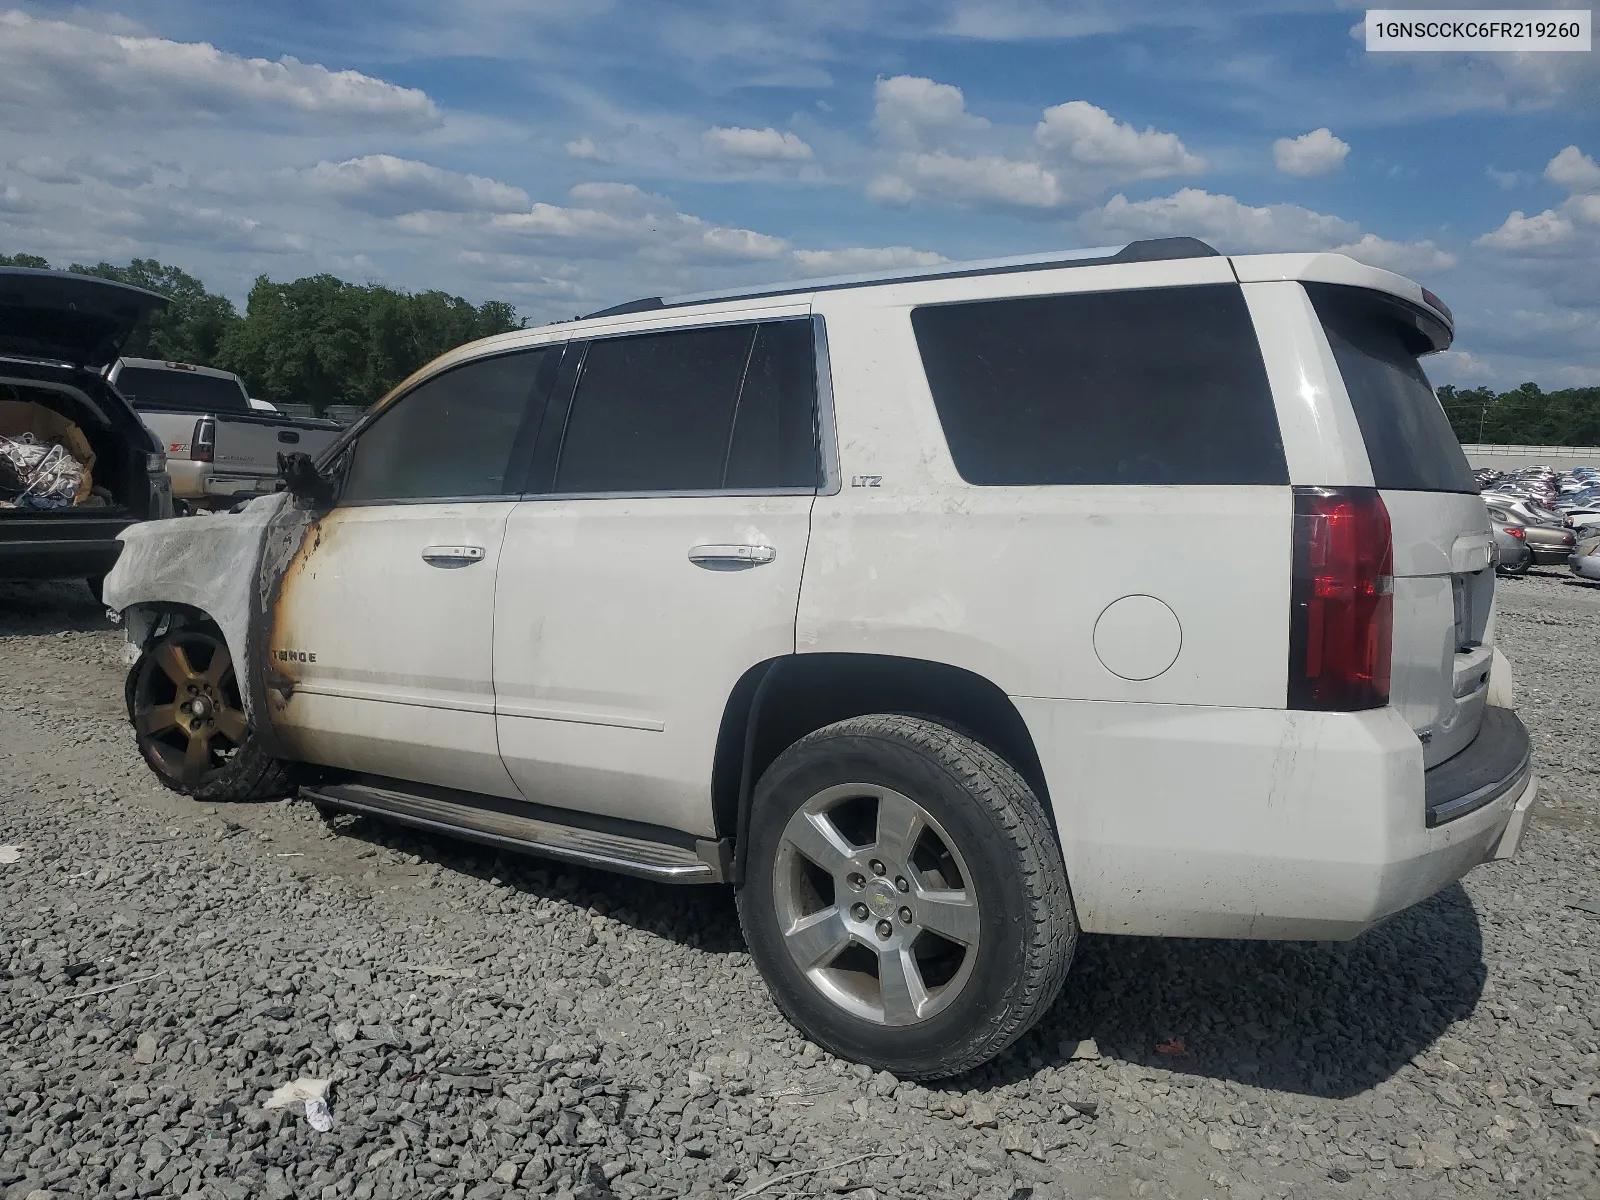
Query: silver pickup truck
[[220, 447]]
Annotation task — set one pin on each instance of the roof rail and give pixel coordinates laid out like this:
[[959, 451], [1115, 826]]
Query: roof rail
[[1144, 250]]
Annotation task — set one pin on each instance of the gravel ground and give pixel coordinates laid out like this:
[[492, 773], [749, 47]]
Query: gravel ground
[[495, 1027]]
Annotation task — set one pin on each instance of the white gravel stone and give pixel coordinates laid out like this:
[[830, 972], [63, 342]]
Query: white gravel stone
[[565, 1033]]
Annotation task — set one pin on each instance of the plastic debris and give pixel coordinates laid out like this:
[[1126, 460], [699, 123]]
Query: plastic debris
[[313, 1094], [10, 854], [1171, 1046], [45, 475]]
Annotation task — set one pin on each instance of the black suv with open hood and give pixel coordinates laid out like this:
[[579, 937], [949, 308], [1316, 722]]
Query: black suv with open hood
[[77, 466]]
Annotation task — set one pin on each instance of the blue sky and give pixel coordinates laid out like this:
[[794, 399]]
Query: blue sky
[[569, 154]]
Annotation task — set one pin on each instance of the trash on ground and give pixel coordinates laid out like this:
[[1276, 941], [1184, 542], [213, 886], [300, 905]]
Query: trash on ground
[[1171, 1046], [310, 1092]]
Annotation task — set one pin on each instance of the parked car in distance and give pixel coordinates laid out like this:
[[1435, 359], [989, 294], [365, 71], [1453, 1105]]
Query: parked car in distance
[[1511, 542], [57, 333], [1585, 560], [1550, 543], [785, 587], [1521, 510], [221, 448]]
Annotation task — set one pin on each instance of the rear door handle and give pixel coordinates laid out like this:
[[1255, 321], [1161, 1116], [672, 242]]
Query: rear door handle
[[730, 558], [452, 556]]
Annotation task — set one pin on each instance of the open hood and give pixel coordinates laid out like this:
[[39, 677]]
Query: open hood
[[79, 319]]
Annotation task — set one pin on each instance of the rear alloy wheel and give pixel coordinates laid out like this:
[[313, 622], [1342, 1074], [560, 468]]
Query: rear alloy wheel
[[189, 718], [904, 896], [901, 899]]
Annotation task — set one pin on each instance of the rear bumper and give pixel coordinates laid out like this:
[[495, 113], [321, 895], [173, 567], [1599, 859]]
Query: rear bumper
[[1547, 555], [204, 482], [1586, 566], [1497, 761], [58, 545], [1209, 822]]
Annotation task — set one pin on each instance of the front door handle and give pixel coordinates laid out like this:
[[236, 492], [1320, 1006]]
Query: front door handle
[[731, 558], [452, 556]]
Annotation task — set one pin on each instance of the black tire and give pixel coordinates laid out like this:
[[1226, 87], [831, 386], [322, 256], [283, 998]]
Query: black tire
[[236, 771], [97, 587], [1521, 570], [1026, 924]]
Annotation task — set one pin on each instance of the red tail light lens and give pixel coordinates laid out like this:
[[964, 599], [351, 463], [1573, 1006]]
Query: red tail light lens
[[203, 441], [1516, 533], [1341, 600]]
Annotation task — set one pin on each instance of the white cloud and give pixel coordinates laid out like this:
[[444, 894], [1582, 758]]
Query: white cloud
[[937, 150], [1544, 231], [1575, 171], [988, 179], [1403, 258], [910, 110], [1458, 365], [387, 186], [605, 220], [1316, 153], [586, 148], [1234, 227], [1084, 134], [56, 69], [858, 259], [1507, 180], [46, 169], [762, 144]]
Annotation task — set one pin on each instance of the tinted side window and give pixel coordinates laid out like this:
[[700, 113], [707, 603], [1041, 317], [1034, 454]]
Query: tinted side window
[[450, 436], [692, 410], [1409, 440], [1159, 386], [774, 441]]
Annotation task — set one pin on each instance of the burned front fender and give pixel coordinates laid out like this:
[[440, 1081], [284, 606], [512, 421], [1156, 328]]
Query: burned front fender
[[205, 563]]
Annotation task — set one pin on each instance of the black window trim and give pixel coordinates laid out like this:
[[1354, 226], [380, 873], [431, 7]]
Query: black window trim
[[517, 467], [562, 398]]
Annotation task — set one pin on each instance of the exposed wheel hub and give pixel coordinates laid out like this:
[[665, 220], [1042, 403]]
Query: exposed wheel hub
[[186, 706]]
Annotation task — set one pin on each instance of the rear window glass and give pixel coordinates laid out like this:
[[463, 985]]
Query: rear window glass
[[1409, 440], [1158, 386], [184, 391]]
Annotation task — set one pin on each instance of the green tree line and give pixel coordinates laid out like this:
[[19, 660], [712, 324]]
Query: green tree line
[[318, 340], [1524, 416]]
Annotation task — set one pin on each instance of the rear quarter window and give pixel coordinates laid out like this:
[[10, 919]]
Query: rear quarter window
[[1157, 386], [163, 389], [1376, 346]]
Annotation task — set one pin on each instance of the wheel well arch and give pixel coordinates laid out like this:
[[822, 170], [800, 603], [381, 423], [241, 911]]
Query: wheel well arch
[[144, 621], [777, 702]]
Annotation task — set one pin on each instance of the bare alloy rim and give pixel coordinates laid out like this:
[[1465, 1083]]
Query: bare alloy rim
[[875, 904], [187, 709]]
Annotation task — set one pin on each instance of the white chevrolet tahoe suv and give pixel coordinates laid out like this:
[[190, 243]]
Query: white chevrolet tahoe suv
[[945, 615]]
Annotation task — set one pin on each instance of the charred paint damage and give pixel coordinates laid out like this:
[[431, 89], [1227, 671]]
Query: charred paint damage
[[233, 571], [194, 571], [289, 549]]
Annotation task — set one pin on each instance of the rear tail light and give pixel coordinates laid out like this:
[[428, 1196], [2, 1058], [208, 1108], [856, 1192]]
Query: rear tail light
[[1341, 600], [1516, 533], [203, 442]]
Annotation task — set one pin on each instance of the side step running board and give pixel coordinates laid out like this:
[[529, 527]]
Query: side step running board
[[530, 835]]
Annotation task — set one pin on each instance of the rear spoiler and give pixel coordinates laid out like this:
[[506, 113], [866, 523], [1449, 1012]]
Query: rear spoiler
[[1432, 317]]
